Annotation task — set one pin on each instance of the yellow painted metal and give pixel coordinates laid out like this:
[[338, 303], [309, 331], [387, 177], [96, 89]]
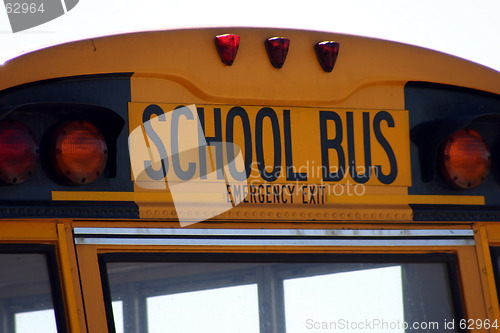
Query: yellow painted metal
[[366, 73], [28, 230], [244, 213], [487, 274], [70, 279], [493, 232], [110, 196], [409, 199], [92, 289], [364, 199], [470, 276]]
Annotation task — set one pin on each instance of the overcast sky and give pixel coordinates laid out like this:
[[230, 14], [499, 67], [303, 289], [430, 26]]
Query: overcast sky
[[464, 28]]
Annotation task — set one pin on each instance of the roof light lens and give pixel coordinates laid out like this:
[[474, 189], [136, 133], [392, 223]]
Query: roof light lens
[[277, 49], [18, 152], [227, 45], [327, 53], [79, 152], [465, 159]]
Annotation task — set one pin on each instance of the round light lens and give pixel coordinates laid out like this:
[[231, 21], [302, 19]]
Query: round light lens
[[18, 152], [465, 159], [80, 152]]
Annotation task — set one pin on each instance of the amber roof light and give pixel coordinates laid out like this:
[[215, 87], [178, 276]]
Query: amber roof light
[[79, 152]]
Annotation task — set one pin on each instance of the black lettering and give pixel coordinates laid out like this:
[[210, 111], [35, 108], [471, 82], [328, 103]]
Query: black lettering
[[238, 111], [262, 194], [259, 146], [391, 176], [327, 144], [313, 192], [237, 194], [174, 137], [283, 189], [245, 192], [148, 166], [287, 132], [228, 193], [363, 178], [304, 194], [291, 190], [276, 193], [253, 191], [215, 141], [268, 193]]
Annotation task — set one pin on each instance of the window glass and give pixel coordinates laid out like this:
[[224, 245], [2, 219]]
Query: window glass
[[26, 301], [293, 297], [118, 315], [231, 310], [35, 321], [350, 296]]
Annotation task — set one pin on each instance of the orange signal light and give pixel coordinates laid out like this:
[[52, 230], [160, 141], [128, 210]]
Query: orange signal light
[[465, 159], [79, 152]]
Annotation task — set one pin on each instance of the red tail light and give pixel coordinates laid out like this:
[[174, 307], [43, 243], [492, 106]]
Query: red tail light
[[18, 152], [327, 53], [79, 152], [277, 49], [227, 45], [465, 159]]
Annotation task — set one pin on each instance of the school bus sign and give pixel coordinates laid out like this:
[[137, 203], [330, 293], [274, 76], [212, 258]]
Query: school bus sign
[[278, 144], [264, 154]]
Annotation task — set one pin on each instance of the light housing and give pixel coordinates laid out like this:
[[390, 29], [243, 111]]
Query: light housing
[[18, 152], [277, 49], [227, 46], [464, 159], [79, 152], [327, 53]]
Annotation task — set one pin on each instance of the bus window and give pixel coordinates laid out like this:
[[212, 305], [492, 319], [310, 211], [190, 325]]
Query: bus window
[[265, 294], [495, 261], [27, 291]]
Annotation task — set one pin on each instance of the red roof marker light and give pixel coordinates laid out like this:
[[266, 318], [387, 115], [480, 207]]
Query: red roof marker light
[[327, 53], [277, 49], [18, 152], [227, 46]]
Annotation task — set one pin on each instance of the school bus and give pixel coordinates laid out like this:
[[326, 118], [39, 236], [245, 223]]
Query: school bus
[[248, 180]]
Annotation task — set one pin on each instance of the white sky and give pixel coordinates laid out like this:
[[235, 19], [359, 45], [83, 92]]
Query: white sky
[[464, 28]]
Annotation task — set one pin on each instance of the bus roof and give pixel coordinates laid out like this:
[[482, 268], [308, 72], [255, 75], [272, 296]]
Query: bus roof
[[189, 58]]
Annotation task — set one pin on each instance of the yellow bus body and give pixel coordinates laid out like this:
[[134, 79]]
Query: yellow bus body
[[182, 67]]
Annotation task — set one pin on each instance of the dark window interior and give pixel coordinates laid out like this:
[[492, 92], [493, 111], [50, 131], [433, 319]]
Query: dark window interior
[[278, 293], [30, 294]]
